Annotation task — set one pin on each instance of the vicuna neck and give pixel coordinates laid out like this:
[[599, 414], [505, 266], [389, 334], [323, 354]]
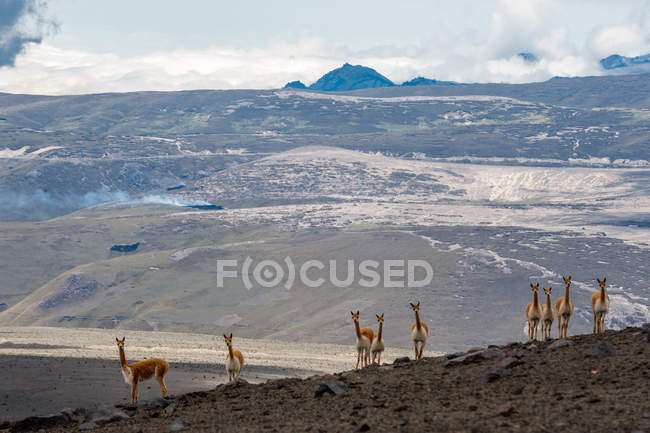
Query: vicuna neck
[[602, 293], [357, 329], [548, 300], [123, 358], [417, 320], [381, 326], [230, 350], [535, 299], [566, 291]]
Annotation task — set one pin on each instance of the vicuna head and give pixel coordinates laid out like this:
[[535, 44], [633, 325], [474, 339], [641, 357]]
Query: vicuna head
[[228, 339], [416, 307], [601, 283], [534, 287], [120, 343], [547, 291], [380, 318], [567, 281], [355, 316]]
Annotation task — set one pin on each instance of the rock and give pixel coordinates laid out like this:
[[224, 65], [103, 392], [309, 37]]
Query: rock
[[401, 360], [169, 409], [364, 427], [533, 347], [104, 415], [507, 362], [454, 355], [475, 356], [177, 426], [334, 388], [231, 385], [603, 349], [34, 423], [475, 349], [154, 402], [349, 373], [560, 343], [493, 374], [88, 426], [506, 409]]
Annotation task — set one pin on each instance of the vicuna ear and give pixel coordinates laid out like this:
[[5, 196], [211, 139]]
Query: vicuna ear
[[123, 338], [117, 339], [377, 316], [357, 312], [604, 280], [531, 285], [231, 335], [411, 304], [224, 336], [418, 303]]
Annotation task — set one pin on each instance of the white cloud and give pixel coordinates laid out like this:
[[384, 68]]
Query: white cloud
[[512, 26]]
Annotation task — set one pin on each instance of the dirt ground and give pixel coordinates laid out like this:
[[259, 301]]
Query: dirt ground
[[42, 385], [588, 384]]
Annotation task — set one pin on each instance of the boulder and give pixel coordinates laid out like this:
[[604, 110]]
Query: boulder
[[334, 388], [603, 349], [560, 343]]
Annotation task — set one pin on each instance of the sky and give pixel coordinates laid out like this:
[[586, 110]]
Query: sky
[[92, 46]]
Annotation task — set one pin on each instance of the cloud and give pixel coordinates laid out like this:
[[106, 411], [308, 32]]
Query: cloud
[[488, 54], [22, 22]]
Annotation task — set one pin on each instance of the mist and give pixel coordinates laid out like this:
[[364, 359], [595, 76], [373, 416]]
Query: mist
[[41, 204]]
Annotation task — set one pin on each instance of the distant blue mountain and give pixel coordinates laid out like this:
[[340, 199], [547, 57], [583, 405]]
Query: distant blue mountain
[[616, 61], [351, 77], [421, 81], [294, 85], [528, 57]]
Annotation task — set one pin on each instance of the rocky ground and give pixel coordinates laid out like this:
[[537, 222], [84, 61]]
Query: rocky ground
[[586, 383]]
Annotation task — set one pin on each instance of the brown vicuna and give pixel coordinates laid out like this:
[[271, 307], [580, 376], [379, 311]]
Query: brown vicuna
[[143, 370], [234, 360], [364, 338], [419, 332], [533, 313], [377, 347], [548, 315], [600, 305], [564, 309]]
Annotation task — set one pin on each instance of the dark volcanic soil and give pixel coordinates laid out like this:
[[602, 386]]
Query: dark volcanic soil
[[593, 384], [41, 385]]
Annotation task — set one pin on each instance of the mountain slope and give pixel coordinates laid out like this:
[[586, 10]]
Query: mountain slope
[[586, 384]]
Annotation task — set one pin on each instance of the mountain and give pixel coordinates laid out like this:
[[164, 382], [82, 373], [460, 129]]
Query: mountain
[[294, 85], [351, 77], [528, 57], [638, 64], [421, 81]]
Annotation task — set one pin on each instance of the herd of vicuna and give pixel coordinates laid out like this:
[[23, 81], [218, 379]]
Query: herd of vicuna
[[537, 313], [370, 344]]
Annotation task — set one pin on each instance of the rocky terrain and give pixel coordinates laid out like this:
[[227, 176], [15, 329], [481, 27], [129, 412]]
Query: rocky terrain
[[586, 383]]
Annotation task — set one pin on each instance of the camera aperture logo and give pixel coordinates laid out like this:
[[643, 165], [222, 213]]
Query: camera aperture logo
[[269, 273]]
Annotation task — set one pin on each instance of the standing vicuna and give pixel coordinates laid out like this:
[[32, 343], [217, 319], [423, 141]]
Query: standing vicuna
[[377, 347], [364, 340], [533, 313], [141, 371], [548, 315], [600, 305], [564, 309], [234, 360], [419, 332]]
